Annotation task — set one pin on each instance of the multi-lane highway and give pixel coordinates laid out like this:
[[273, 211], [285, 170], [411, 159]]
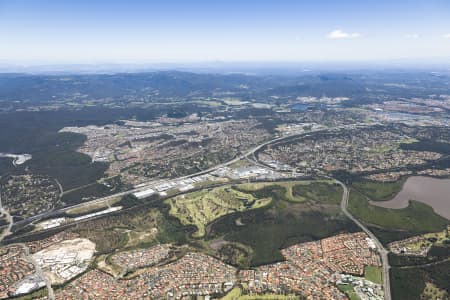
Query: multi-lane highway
[[146, 185], [344, 203], [9, 219]]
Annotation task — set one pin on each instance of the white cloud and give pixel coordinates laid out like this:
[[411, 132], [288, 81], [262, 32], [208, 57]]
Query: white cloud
[[446, 36], [412, 36], [340, 34]]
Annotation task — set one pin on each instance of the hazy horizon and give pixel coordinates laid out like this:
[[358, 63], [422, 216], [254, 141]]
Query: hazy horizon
[[249, 67]]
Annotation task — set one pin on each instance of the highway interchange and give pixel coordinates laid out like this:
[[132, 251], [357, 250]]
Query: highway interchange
[[344, 203]]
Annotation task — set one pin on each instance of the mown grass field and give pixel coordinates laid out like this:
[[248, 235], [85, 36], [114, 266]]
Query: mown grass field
[[373, 274]]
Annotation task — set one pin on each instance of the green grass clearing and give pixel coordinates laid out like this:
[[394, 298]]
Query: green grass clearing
[[373, 274]]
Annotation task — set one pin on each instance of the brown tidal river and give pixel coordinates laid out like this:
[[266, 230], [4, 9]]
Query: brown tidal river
[[432, 191]]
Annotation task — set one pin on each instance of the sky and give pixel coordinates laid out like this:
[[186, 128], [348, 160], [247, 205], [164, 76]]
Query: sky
[[96, 31]]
